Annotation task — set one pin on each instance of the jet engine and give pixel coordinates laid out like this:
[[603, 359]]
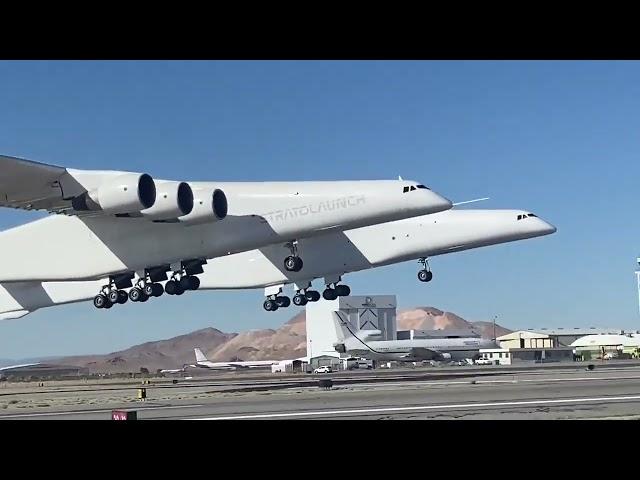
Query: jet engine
[[173, 200], [209, 205], [127, 193]]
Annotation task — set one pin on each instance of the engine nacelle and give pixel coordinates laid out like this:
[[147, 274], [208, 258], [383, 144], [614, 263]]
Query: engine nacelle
[[209, 205], [127, 193], [173, 200]]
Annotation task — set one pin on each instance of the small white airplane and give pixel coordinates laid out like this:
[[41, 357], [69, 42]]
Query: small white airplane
[[128, 230], [329, 257], [203, 362]]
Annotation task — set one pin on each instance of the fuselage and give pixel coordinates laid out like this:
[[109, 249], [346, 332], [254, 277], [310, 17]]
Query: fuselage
[[417, 349], [335, 253], [67, 248]]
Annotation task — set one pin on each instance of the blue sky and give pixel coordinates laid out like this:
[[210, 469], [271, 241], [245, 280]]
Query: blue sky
[[558, 138]]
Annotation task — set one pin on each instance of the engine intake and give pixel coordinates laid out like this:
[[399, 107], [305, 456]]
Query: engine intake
[[127, 193], [209, 205], [173, 200]]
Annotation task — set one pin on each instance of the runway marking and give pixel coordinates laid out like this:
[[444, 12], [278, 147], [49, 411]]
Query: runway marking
[[424, 407]]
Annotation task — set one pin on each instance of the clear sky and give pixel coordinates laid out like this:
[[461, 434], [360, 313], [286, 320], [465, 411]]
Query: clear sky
[[561, 139]]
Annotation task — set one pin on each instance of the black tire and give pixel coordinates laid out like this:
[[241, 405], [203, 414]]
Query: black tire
[[283, 302], [313, 295], [122, 297], [290, 263], [184, 283], [157, 290], [144, 297], [99, 301], [329, 294], [270, 305], [148, 289], [299, 264], [425, 276], [300, 300], [179, 289], [113, 296], [343, 290], [135, 294], [108, 305], [194, 283], [170, 287]]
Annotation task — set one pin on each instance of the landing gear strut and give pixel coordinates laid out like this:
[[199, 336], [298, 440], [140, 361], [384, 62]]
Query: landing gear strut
[[293, 263], [425, 274]]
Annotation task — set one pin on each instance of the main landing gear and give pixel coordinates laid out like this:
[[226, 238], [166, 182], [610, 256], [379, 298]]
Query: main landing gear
[[425, 274], [293, 263], [334, 291], [147, 286], [302, 297]]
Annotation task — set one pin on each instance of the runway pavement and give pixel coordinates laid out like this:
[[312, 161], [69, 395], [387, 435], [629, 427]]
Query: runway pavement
[[571, 392]]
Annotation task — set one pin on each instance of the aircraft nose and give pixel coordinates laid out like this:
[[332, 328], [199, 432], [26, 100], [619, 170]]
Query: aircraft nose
[[438, 202], [546, 228]]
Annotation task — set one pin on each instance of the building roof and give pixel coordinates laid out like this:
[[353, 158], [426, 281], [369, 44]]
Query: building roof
[[521, 334], [606, 340]]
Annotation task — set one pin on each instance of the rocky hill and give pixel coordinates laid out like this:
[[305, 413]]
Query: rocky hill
[[288, 341]]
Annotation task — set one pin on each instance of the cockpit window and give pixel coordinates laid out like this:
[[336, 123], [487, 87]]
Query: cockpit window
[[422, 186], [411, 188], [405, 189], [520, 217], [525, 215], [532, 215]]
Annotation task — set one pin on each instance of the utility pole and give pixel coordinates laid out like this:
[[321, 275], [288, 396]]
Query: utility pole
[[494, 325], [638, 279]]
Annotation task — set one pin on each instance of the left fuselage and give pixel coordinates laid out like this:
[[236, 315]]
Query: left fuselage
[[330, 254]]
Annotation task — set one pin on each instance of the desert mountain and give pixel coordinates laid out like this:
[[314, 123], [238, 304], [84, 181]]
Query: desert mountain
[[288, 341]]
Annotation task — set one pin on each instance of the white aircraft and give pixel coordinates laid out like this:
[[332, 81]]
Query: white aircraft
[[361, 345], [125, 228], [203, 362], [328, 256]]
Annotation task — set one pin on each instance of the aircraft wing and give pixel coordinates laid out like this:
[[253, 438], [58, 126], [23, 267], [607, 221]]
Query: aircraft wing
[[30, 185], [11, 367], [423, 353]]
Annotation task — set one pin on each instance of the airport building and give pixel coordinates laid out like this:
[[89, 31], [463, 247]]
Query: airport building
[[607, 346], [43, 371]]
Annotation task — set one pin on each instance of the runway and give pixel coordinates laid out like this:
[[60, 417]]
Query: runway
[[564, 393]]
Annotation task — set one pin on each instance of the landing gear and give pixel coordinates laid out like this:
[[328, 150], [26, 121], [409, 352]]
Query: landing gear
[[312, 295], [100, 301], [283, 302], [425, 274], [274, 302], [331, 293], [110, 294], [300, 300], [293, 263], [153, 289], [270, 305]]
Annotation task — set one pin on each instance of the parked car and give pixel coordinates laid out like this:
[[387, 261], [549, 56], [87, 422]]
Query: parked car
[[323, 369]]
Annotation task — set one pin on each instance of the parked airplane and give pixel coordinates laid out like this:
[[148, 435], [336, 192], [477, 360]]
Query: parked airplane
[[329, 257], [362, 345], [203, 362], [126, 228]]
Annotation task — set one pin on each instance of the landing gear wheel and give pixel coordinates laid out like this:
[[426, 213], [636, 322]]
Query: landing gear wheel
[[330, 294], [148, 289], [293, 264], [300, 300], [170, 287], [312, 295], [143, 297], [184, 283], [270, 305], [113, 296], [283, 302], [179, 290], [157, 290], [99, 301], [425, 276], [108, 305], [135, 294], [343, 290], [122, 297], [194, 283]]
